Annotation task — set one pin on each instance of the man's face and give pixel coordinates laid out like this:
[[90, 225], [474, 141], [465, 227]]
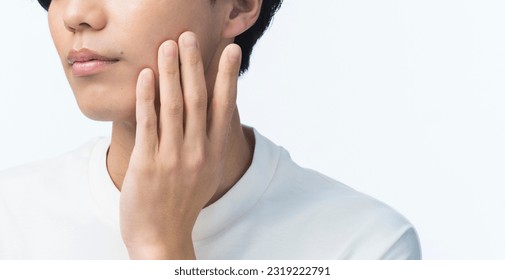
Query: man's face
[[104, 44]]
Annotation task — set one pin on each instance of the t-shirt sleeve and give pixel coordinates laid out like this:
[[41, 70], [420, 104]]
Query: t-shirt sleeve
[[406, 247]]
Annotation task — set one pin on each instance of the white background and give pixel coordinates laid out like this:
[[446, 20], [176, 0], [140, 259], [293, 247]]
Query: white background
[[403, 100]]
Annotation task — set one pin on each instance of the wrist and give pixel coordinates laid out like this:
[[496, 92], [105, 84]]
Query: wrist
[[175, 249]]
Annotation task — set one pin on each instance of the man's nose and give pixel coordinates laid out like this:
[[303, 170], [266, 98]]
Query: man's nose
[[80, 15]]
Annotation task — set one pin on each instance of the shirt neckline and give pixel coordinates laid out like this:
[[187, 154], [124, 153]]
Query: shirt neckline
[[103, 191], [213, 218]]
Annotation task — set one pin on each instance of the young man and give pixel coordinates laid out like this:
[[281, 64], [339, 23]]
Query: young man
[[180, 177]]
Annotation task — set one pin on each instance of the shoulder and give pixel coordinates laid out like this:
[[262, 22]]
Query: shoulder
[[50, 171], [332, 210]]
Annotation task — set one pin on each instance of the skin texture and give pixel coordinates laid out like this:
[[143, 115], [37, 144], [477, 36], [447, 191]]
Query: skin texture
[[177, 142]]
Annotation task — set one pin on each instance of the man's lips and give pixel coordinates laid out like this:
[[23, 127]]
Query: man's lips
[[85, 55], [85, 62]]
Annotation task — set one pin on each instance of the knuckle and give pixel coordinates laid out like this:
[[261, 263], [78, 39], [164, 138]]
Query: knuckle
[[170, 162], [229, 71], [171, 71], [143, 167], [192, 58], [175, 108], [198, 100], [225, 104], [197, 161], [147, 122], [219, 150], [146, 97]]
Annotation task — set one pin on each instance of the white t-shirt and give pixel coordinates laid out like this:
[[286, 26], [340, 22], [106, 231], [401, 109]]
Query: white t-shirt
[[68, 208]]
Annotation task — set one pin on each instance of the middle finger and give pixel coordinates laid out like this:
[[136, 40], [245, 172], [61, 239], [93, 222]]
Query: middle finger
[[194, 89], [171, 103]]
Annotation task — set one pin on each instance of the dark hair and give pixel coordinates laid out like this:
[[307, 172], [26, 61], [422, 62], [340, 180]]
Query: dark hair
[[246, 40]]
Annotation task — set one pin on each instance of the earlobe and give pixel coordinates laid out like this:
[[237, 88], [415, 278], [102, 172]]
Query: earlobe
[[241, 17]]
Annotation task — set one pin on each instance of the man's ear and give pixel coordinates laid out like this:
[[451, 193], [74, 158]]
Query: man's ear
[[241, 16]]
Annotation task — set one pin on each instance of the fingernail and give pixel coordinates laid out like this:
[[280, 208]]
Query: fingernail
[[189, 41], [168, 50], [234, 53], [145, 77]]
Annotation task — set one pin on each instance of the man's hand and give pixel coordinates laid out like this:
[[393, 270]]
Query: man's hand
[[177, 163]]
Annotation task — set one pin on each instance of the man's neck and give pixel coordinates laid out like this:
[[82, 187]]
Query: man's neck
[[238, 156]]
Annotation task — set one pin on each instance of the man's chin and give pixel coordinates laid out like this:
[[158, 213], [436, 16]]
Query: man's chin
[[107, 114]]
